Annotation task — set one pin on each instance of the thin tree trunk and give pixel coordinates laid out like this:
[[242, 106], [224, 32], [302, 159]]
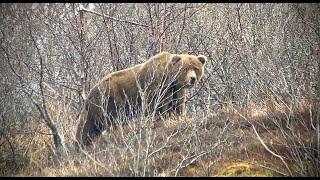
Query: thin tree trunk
[[163, 28], [83, 68]]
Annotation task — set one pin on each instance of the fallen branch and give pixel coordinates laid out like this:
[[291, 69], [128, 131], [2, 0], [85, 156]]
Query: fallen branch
[[112, 18]]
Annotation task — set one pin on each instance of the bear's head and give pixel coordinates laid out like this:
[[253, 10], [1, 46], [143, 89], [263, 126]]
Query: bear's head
[[190, 69]]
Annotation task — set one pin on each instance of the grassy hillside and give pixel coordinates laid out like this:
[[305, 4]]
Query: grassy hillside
[[255, 111], [224, 143]]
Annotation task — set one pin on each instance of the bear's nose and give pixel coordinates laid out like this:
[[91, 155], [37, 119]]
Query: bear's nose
[[192, 80]]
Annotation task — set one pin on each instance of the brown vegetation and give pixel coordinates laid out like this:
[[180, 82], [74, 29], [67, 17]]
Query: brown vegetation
[[254, 113]]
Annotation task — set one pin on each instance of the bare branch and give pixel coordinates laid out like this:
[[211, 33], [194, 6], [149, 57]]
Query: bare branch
[[112, 18]]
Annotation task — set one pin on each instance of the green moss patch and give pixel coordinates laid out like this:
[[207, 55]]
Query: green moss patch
[[243, 169]]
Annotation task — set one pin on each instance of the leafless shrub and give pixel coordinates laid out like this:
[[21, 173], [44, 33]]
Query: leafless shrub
[[52, 54]]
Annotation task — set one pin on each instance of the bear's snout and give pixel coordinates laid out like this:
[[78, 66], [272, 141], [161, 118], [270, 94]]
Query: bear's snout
[[192, 80]]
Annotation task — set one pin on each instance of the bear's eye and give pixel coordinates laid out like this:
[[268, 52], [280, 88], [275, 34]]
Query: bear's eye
[[183, 70]]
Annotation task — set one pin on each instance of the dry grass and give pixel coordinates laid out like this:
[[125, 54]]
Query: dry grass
[[220, 144]]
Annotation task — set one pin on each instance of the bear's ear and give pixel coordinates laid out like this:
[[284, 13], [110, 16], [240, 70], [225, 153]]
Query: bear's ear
[[202, 59], [175, 58]]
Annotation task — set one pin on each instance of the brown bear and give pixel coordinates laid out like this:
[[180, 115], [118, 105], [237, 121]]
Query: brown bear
[[156, 87]]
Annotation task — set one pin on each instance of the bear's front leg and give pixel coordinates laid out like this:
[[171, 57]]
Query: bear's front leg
[[179, 101], [91, 131], [179, 108]]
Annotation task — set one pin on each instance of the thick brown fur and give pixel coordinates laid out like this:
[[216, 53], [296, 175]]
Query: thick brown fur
[[156, 87]]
